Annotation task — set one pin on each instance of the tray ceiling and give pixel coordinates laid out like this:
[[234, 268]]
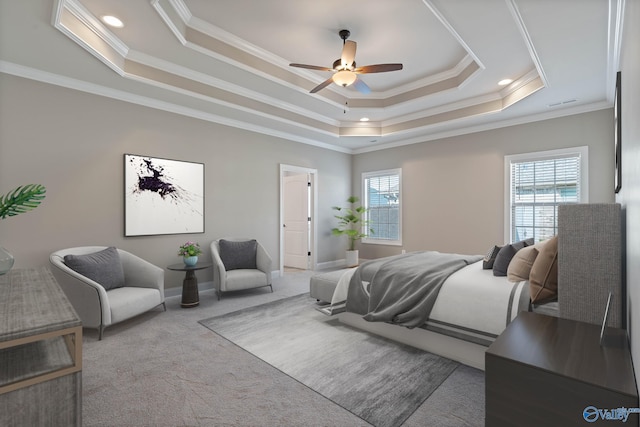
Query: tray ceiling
[[228, 61]]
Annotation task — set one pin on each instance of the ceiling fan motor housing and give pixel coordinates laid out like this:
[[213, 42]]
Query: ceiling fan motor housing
[[337, 65]]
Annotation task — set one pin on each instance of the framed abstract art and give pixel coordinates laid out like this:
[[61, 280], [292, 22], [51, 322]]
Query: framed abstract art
[[162, 196], [617, 123]]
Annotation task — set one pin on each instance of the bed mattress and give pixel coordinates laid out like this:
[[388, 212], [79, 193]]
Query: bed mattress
[[472, 304], [477, 306]]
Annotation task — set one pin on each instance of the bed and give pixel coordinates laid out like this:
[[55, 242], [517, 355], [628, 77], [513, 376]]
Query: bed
[[448, 304]]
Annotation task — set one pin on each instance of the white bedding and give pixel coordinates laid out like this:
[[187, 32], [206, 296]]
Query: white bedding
[[472, 302], [476, 299], [342, 288]]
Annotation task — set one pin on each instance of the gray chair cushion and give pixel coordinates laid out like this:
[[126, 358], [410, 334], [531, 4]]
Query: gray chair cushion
[[238, 255], [102, 267]]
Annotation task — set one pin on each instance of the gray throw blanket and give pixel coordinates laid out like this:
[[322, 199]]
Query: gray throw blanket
[[403, 288]]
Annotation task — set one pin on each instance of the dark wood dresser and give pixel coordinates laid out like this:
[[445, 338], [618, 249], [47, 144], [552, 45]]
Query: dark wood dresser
[[547, 371]]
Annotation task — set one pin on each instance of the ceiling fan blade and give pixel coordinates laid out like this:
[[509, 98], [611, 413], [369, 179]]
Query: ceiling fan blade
[[378, 68], [361, 86], [322, 85], [348, 53], [312, 67]]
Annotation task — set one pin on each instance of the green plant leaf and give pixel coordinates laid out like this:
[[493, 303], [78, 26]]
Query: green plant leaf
[[22, 199], [351, 222]]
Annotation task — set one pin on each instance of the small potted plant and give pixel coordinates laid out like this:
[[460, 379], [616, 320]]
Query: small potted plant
[[351, 224], [189, 253]]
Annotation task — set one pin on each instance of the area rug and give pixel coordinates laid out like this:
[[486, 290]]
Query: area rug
[[378, 380]]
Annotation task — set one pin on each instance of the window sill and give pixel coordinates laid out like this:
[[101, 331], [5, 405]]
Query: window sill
[[382, 242]]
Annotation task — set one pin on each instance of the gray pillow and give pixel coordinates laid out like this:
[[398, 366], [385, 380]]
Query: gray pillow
[[102, 267], [490, 257], [238, 255], [501, 264]]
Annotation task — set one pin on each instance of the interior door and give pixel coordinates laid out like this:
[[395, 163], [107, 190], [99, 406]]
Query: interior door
[[296, 221]]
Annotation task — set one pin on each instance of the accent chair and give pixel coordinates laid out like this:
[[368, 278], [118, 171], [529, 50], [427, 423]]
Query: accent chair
[[106, 285], [239, 263]]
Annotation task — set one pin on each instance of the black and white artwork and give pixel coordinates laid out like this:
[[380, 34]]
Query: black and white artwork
[[617, 117], [162, 196]]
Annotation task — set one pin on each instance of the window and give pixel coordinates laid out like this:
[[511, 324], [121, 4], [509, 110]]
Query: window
[[536, 184], [382, 198]]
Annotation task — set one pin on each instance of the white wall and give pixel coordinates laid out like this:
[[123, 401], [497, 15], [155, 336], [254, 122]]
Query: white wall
[[453, 188], [629, 195], [73, 143]]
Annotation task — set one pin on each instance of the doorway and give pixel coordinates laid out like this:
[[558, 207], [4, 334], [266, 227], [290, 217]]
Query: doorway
[[298, 196]]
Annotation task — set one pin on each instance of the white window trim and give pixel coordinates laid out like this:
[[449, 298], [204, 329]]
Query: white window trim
[[583, 152], [373, 240]]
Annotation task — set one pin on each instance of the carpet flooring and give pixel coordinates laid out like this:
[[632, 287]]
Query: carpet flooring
[[164, 369], [380, 381]]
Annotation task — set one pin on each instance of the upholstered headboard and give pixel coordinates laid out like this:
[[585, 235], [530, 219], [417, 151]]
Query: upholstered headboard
[[590, 262]]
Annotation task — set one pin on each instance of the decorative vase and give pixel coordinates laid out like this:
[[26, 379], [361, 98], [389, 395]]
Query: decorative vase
[[6, 261], [190, 260], [352, 258]]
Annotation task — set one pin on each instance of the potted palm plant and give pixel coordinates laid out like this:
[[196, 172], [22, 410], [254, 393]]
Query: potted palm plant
[[20, 200], [351, 223]]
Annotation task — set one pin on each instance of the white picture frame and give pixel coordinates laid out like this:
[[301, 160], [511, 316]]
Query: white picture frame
[[162, 196]]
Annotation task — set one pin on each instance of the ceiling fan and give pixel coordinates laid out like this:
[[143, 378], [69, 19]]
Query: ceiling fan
[[344, 69]]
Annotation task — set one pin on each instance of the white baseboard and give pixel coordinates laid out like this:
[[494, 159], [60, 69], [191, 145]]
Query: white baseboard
[[340, 263]]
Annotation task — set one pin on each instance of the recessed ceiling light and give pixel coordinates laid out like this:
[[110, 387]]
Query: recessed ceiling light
[[112, 21], [364, 119], [504, 82]]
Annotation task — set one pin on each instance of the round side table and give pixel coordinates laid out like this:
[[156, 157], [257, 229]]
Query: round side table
[[190, 296]]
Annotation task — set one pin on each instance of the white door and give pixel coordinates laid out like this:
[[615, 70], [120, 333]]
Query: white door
[[296, 221]]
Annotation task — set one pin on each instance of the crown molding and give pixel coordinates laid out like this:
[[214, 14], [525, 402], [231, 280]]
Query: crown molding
[[83, 86], [614, 45], [95, 89], [335, 95], [156, 72], [581, 109], [526, 37]]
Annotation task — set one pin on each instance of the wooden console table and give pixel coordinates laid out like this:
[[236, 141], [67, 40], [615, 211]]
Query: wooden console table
[[546, 371], [40, 351]]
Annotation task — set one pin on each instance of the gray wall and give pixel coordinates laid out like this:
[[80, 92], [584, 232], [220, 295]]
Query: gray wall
[[73, 143], [453, 189], [629, 195]]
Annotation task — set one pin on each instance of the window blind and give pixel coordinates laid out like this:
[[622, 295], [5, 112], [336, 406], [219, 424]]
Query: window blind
[[382, 200], [538, 187]]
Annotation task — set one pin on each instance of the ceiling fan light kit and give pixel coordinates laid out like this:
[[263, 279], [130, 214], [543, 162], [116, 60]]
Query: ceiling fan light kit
[[344, 69], [344, 78]]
